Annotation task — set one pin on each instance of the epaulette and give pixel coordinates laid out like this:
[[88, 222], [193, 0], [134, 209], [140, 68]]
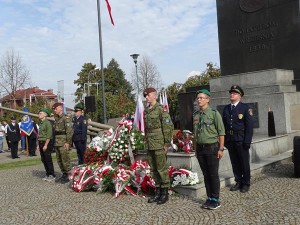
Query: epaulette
[[195, 112]]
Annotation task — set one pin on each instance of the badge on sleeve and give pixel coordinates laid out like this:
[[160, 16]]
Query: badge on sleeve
[[250, 111]]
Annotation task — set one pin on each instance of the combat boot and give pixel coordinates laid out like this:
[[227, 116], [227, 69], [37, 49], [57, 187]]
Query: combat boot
[[164, 197], [63, 179], [156, 196]]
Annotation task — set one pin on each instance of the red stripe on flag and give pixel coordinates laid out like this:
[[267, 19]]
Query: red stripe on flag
[[109, 11]]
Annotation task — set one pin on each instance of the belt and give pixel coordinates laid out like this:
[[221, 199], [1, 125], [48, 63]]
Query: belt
[[232, 132], [207, 145], [60, 133]]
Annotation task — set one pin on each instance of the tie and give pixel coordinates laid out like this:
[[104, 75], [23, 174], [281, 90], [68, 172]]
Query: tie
[[232, 107]]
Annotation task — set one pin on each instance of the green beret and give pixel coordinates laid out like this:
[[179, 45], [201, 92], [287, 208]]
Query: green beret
[[45, 111], [204, 91]]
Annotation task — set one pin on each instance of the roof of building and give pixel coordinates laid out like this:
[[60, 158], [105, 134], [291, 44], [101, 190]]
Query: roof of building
[[33, 92]]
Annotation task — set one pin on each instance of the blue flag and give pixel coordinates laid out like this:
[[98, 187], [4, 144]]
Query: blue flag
[[26, 123]]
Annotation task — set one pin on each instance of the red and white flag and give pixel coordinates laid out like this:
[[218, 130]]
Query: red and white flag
[[109, 11], [139, 115], [165, 101]]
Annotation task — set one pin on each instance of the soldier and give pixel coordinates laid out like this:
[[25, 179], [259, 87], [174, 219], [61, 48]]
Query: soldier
[[237, 118], [45, 144], [63, 131], [13, 137], [158, 135], [209, 134], [80, 132]]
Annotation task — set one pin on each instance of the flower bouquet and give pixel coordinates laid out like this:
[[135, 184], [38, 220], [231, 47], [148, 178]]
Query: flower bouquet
[[182, 141], [182, 177]]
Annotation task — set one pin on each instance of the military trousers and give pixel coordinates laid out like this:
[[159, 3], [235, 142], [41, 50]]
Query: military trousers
[[63, 159], [157, 160]]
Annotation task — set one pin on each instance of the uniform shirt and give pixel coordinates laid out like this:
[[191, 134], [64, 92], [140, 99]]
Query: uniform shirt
[[63, 129], [208, 126], [45, 130], [158, 127], [80, 129], [238, 123]]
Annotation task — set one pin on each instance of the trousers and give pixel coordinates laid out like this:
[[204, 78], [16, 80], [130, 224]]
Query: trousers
[[207, 156], [46, 158]]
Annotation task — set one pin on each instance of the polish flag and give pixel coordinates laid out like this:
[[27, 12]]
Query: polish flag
[[109, 11], [139, 115], [165, 101]]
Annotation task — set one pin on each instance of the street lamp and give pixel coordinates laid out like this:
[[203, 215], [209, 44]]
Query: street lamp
[[135, 56]]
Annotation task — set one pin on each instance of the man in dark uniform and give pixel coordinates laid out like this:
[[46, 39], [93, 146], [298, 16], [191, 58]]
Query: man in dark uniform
[[238, 122], [13, 137], [80, 132], [158, 135]]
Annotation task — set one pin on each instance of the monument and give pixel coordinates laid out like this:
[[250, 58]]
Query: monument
[[258, 35]]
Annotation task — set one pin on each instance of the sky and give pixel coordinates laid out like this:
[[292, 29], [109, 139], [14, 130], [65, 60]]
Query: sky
[[56, 37]]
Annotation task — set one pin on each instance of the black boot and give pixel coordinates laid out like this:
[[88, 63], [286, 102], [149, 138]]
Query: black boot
[[164, 197], [156, 195], [63, 179]]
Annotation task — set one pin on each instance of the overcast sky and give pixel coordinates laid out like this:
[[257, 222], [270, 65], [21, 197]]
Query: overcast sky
[[56, 37]]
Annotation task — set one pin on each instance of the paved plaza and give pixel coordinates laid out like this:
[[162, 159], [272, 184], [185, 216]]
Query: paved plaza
[[27, 199]]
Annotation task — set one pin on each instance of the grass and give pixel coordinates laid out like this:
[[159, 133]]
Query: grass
[[29, 162]]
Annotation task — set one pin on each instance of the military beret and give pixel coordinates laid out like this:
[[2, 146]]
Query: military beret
[[237, 89], [45, 111], [57, 104], [79, 107], [13, 118], [148, 90], [204, 91]]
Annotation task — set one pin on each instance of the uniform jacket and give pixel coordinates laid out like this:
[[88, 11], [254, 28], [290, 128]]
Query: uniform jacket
[[13, 132], [158, 127], [238, 123], [63, 130], [80, 129]]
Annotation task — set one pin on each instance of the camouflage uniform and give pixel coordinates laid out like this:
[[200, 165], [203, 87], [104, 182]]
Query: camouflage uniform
[[63, 129], [158, 133]]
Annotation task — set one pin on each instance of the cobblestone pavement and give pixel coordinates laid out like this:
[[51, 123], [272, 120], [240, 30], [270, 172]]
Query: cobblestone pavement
[[26, 199]]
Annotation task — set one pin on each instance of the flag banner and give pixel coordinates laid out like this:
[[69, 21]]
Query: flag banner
[[139, 115], [26, 124], [160, 99], [165, 101], [109, 11]]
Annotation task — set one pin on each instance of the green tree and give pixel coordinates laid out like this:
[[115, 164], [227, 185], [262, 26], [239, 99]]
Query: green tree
[[211, 71], [119, 99], [172, 92]]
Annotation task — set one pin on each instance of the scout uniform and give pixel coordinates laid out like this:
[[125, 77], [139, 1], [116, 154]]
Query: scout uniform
[[63, 131], [45, 133], [238, 121], [208, 127], [80, 133], [158, 133]]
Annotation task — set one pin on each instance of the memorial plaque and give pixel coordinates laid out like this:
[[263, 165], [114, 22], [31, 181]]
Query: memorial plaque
[[259, 34]]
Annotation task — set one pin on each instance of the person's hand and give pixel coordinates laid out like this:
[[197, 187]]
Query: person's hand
[[67, 146], [246, 145], [45, 147], [220, 154], [166, 149]]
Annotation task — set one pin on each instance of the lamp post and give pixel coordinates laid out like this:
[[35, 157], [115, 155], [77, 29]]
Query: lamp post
[[135, 56]]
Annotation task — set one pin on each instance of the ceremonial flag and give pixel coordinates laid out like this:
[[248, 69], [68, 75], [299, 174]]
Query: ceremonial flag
[[139, 115], [109, 11], [165, 101], [160, 99], [26, 124]]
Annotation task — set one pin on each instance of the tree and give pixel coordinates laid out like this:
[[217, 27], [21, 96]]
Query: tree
[[147, 75], [212, 71], [119, 99], [13, 74]]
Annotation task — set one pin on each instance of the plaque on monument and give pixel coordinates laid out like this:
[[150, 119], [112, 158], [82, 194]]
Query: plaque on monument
[[259, 34]]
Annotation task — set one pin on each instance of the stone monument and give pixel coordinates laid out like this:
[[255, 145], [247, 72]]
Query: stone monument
[[258, 35]]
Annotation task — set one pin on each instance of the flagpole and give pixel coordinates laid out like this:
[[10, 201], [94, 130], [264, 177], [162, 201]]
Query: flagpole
[[101, 62]]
